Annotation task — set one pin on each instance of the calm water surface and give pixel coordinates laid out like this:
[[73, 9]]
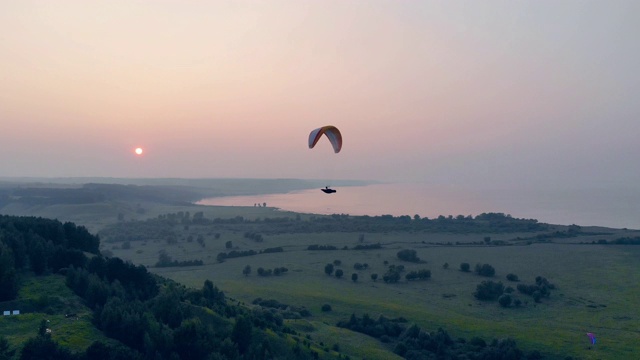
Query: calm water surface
[[618, 208]]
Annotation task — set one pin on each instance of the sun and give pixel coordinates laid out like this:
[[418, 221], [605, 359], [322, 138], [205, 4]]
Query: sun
[[138, 151]]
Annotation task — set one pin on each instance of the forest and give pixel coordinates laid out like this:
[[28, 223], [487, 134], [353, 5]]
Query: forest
[[150, 317]]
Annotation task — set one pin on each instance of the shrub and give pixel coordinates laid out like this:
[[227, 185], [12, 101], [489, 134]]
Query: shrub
[[465, 267], [326, 308], [512, 277], [408, 255], [328, 269], [505, 300], [485, 270], [489, 290]]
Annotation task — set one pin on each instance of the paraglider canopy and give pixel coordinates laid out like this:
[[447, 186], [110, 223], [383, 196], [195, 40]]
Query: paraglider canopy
[[332, 133], [592, 338]]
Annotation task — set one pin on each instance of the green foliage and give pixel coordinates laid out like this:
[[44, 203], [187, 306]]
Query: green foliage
[[422, 274], [8, 275], [6, 353], [321, 247], [505, 300], [164, 260], [485, 270], [43, 347], [414, 343], [393, 274], [464, 267], [489, 290], [408, 255], [401, 305], [242, 333], [328, 269], [541, 289]]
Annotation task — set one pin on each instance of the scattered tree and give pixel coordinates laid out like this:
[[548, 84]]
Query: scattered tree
[[485, 270], [465, 267], [247, 270], [489, 290], [408, 255], [328, 269], [505, 300], [418, 275]]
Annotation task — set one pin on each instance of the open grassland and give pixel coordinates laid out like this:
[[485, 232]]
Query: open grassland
[[48, 298], [596, 285]]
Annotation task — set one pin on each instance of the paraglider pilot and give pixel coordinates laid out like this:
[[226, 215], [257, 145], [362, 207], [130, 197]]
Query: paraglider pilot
[[327, 190]]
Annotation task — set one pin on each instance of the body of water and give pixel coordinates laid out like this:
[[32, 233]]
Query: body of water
[[618, 208]]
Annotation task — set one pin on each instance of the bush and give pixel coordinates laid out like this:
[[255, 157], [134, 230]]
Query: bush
[[408, 255], [485, 270], [326, 308], [505, 300], [489, 290], [512, 277], [465, 267], [328, 269], [423, 274]]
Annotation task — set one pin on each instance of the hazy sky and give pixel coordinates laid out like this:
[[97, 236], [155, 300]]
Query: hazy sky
[[512, 93]]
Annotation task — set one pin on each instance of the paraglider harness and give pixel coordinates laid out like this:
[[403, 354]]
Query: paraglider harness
[[326, 190]]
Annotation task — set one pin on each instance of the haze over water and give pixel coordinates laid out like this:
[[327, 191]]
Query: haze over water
[[597, 207]]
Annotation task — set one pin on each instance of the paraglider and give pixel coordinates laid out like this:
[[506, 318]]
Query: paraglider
[[332, 133], [592, 338], [335, 138], [328, 191]]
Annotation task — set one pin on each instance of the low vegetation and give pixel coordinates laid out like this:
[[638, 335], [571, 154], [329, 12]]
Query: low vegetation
[[439, 312]]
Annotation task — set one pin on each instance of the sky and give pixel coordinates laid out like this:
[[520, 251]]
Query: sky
[[496, 93]]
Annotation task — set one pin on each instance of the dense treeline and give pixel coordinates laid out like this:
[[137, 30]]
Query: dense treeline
[[94, 193], [486, 222], [321, 247], [40, 245], [242, 253], [411, 342], [150, 317], [620, 241]]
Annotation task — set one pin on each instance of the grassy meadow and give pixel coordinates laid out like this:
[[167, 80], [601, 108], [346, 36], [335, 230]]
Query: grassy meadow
[[48, 298], [596, 285]]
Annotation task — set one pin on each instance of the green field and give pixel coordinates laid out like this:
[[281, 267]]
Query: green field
[[48, 298], [596, 285]]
